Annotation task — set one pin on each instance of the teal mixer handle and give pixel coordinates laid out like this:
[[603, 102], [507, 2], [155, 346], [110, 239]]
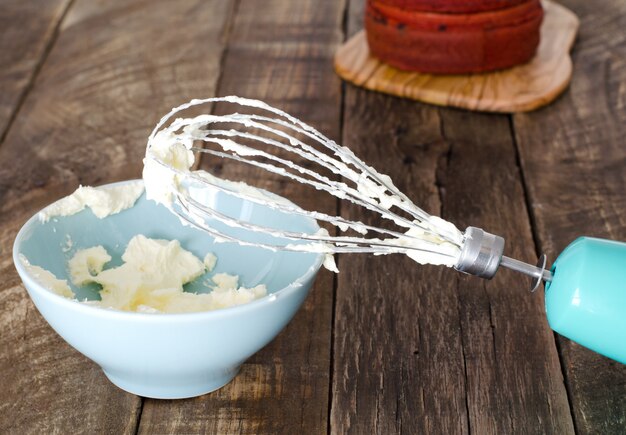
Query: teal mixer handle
[[586, 299], [585, 291]]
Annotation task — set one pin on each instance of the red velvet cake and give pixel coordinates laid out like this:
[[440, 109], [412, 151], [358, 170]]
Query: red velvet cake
[[453, 37], [452, 6]]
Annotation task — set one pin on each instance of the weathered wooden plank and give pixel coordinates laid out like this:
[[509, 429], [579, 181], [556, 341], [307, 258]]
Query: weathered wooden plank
[[421, 349], [398, 362], [514, 380], [279, 52], [115, 68], [573, 158], [26, 33], [424, 349], [46, 386]]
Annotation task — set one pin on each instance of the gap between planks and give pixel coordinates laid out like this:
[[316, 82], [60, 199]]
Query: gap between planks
[[532, 218], [35, 72]]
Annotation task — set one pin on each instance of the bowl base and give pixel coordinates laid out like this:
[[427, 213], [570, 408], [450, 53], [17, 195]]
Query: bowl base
[[178, 390]]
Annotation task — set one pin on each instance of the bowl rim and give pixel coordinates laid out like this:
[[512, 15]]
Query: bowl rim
[[75, 304]]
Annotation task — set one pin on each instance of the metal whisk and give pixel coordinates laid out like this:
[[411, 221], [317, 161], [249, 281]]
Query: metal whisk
[[279, 143]]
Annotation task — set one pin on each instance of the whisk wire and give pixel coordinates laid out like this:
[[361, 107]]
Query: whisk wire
[[251, 143], [346, 156], [188, 202], [325, 243], [338, 189]]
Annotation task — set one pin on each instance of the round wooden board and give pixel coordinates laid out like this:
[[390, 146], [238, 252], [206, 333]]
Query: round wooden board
[[519, 89]]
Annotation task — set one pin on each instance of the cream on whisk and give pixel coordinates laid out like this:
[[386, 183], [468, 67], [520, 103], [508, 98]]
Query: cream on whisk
[[279, 143]]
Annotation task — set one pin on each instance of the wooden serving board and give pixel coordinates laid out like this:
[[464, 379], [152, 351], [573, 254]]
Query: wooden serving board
[[518, 89]]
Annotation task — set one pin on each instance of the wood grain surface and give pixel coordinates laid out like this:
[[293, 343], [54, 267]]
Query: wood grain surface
[[282, 57], [110, 75], [27, 31], [518, 89], [387, 346], [573, 157], [436, 339]]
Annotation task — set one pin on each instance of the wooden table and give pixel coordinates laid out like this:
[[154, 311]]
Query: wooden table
[[385, 346]]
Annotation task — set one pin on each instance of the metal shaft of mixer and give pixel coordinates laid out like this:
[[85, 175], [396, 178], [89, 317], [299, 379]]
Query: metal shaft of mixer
[[537, 272], [481, 256]]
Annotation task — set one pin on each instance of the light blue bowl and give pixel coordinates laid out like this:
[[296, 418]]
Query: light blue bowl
[[169, 355]]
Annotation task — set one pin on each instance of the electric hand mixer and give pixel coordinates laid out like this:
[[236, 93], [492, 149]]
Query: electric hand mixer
[[585, 288]]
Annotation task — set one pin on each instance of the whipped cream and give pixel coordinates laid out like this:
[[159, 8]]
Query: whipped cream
[[103, 201], [150, 280], [210, 260], [47, 279]]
